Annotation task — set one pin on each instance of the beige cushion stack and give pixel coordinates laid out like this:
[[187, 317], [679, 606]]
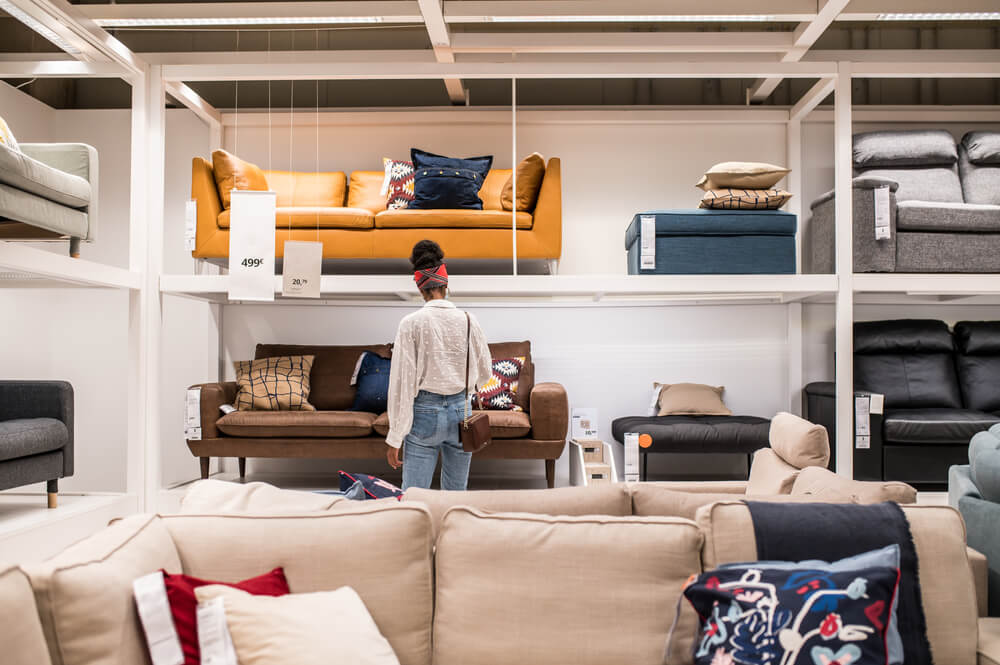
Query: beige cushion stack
[[743, 186]]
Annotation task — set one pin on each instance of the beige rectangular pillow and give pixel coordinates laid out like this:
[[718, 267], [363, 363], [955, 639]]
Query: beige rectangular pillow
[[749, 175], [380, 549], [319, 628], [769, 474], [691, 399], [20, 633], [539, 589], [744, 199], [279, 383]]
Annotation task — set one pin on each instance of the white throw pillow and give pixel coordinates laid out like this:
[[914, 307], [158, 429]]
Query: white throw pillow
[[742, 175], [301, 629]]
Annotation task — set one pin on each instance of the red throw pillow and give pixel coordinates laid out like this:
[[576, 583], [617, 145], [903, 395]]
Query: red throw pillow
[[184, 605]]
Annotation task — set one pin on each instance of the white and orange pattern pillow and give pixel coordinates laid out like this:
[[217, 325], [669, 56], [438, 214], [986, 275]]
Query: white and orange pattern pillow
[[274, 384], [745, 199], [500, 391], [7, 137], [398, 183]]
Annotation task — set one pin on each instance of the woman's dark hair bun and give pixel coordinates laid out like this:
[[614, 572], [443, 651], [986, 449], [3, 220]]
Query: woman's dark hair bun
[[426, 254]]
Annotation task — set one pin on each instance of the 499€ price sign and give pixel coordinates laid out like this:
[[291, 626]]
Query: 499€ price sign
[[251, 245]]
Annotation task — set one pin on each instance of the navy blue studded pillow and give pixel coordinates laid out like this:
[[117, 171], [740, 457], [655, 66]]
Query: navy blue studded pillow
[[793, 617], [441, 183], [372, 382]]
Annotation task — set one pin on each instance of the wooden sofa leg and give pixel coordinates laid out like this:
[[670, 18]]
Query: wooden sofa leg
[[52, 488], [74, 248], [205, 461], [243, 467], [550, 472]]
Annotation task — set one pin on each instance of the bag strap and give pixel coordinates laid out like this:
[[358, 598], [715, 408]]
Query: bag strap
[[468, 354]]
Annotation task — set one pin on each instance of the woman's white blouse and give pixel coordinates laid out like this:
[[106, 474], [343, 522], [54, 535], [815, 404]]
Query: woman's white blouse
[[429, 354]]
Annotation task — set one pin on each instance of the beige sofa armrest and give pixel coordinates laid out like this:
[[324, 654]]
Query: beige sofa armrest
[[549, 412], [980, 573], [989, 641], [547, 219], [214, 395], [21, 631], [77, 159]]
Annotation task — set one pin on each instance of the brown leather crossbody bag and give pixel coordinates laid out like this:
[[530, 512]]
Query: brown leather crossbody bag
[[474, 430]]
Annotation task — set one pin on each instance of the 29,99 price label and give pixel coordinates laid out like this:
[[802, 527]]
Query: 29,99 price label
[[251, 245]]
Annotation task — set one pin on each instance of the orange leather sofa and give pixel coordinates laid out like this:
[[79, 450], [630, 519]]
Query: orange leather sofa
[[353, 222]]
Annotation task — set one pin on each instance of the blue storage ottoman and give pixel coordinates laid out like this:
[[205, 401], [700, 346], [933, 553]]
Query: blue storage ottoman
[[715, 242]]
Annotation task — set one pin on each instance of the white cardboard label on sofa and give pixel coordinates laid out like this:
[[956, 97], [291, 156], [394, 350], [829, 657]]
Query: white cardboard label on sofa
[[157, 622], [647, 242], [631, 457], [214, 639], [251, 245], [862, 426], [877, 403], [190, 224], [301, 269], [863, 442], [192, 408], [584, 424], [882, 229]]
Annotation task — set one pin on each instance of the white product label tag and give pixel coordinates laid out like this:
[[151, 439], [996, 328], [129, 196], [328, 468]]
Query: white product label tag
[[192, 433], [192, 408], [214, 638], [190, 224], [301, 269], [227, 409], [647, 242], [863, 442], [862, 426], [877, 403], [882, 229], [631, 457], [584, 424], [157, 622], [251, 245]]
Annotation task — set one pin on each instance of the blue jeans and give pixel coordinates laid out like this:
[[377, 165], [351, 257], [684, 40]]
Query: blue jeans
[[435, 429]]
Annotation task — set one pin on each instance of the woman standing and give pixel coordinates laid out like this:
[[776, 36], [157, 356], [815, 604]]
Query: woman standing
[[427, 388]]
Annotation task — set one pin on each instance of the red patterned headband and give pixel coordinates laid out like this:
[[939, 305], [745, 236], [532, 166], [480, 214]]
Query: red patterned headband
[[431, 278]]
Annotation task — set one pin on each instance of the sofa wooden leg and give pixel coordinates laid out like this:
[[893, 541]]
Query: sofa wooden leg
[[243, 467], [74, 248], [52, 489], [550, 472], [205, 461]]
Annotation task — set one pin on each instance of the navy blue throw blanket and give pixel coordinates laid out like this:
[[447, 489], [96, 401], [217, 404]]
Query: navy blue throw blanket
[[796, 532]]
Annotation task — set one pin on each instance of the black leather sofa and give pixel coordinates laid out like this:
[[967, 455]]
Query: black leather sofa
[[940, 388]]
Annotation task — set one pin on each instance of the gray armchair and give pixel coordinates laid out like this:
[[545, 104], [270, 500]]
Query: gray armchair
[[36, 434]]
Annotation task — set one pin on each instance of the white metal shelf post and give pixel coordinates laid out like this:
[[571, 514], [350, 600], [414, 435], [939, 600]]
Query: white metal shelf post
[[844, 239], [793, 147], [146, 303]]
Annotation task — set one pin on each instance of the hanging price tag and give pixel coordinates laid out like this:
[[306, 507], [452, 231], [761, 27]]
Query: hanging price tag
[[631, 457], [301, 269], [647, 242], [883, 231], [251, 245], [190, 225], [192, 414]]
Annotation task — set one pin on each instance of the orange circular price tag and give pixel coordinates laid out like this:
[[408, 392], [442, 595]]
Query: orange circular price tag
[[645, 441]]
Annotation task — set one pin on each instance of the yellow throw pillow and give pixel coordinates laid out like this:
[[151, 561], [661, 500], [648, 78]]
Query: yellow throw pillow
[[748, 175], [530, 172], [691, 399], [231, 173], [744, 199], [274, 384], [7, 137]]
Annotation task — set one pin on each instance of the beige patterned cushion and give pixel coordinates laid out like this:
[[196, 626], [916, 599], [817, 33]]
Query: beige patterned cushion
[[744, 199], [274, 384]]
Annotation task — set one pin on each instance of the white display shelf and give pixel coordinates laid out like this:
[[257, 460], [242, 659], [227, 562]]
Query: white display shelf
[[936, 287], [22, 266], [693, 288]]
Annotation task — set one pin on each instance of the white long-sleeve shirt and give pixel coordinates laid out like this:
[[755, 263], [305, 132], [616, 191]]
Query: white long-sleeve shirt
[[429, 354]]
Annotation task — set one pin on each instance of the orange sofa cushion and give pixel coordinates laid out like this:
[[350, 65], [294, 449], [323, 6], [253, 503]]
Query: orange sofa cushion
[[492, 188], [449, 219], [231, 173], [315, 217], [366, 190], [308, 189]]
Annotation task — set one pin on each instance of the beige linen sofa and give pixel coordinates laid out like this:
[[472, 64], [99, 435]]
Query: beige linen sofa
[[576, 588]]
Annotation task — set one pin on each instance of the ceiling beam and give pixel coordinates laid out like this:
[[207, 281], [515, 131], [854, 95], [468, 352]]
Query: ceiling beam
[[870, 10], [59, 69], [290, 58], [440, 38], [192, 100], [487, 11], [621, 42], [805, 36], [903, 55], [89, 41], [813, 98], [187, 14]]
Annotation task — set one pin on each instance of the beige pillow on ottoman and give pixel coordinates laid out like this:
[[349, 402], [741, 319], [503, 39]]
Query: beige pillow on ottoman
[[744, 175], [693, 399], [317, 628]]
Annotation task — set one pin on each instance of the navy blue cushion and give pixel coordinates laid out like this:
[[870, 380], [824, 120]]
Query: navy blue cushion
[[757, 614], [374, 488], [447, 183], [373, 384]]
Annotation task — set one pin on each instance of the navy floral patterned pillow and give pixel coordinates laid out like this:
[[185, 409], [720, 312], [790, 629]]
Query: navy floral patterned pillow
[[792, 617]]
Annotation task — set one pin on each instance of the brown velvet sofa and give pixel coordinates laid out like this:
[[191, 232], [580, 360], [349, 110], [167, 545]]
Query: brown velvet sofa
[[333, 432]]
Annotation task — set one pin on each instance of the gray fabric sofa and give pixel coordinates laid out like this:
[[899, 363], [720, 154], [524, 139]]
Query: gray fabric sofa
[[943, 204], [48, 191], [974, 489], [36, 434]]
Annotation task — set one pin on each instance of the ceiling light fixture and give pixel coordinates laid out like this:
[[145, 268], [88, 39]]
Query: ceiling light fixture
[[39, 27], [638, 18], [941, 16], [238, 21]]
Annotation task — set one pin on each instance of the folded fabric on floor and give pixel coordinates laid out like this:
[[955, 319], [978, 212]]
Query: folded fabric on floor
[[795, 532]]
